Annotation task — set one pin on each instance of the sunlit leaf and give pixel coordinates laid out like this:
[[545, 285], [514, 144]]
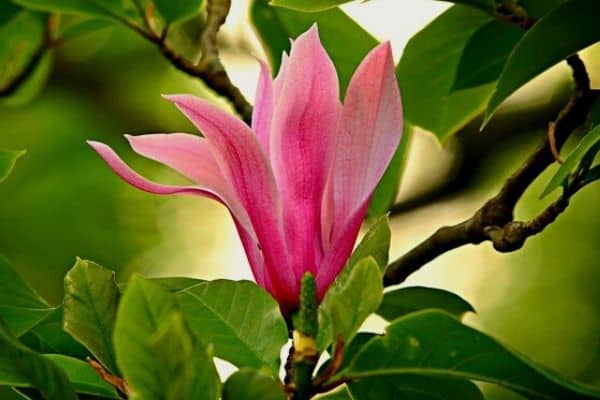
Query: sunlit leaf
[[239, 319], [157, 353], [399, 302], [90, 309], [435, 344], [249, 384]]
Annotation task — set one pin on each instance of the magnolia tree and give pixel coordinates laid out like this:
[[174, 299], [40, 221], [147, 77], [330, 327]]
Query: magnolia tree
[[320, 151]]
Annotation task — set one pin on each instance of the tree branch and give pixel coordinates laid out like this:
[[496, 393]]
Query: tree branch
[[494, 221], [210, 69]]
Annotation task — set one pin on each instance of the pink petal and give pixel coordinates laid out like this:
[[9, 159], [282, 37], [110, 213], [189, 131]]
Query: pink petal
[[243, 163], [303, 131], [370, 130], [138, 181], [280, 78], [190, 155], [263, 106]]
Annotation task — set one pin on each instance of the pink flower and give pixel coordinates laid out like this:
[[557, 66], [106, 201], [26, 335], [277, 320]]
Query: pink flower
[[299, 182]]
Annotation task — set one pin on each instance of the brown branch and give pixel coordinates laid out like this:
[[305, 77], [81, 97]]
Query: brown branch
[[494, 221], [210, 69], [115, 381]]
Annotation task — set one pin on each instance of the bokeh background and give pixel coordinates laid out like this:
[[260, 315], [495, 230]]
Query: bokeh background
[[62, 201]]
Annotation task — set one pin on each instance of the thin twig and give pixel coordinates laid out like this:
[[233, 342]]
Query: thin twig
[[494, 221], [115, 381]]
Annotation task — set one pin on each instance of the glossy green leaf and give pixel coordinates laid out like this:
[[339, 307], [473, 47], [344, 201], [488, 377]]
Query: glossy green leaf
[[8, 158], [414, 387], [48, 336], [21, 308], [21, 367], [157, 353], [386, 191], [83, 377], [308, 6], [427, 69], [249, 384], [276, 25], [90, 309], [375, 243], [571, 162], [485, 53], [347, 304], [399, 302], [21, 46], [173, 10], [434, 344], [569, 28], [239, 319]]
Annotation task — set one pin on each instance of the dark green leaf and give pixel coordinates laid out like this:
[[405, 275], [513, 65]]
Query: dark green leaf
[[276, 25], [339, 394], [485, 54], [21, 367], [21, 307], [427, 69], [8, 158], [21, 47], [157, 353], [7, 11], [569, 28], [387, 190], [486, 5], [173, 10], [570, 164], [537, 8], [347, 304], [414, 387], [84, 27], [400, 302], [90, 309], [83, 377], [49, 337], [308, 6], [434, 344], [593, 117], [591, 176], [249, 384], [239, 319]]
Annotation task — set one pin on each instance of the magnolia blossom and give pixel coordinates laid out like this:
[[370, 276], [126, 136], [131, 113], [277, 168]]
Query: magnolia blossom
[[299, 181]]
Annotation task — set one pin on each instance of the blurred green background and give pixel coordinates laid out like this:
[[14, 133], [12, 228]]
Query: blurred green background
[[62, 201]]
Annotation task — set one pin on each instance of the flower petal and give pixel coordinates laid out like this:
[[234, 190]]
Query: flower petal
[[138, 181], [370, 130], [303, 131], [191, 156], [243, 162], [263, 106]]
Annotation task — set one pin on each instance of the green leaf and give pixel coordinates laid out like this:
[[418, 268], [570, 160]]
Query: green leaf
[[157, 353], [239, 319], [173, 10], [485, 5], [375, 243], [400, 302], [21, 47], [570, 164], [249, 384], [593, 118], [427, 69], [21, 367], [414, 387], [434, 344], [90, 309], [308, 6], [84, 27], [276, 25], [83, 377], [339, 394], [347, 304], [170, 284], [485, 54], [386, 192], [21, 307], [538, 8], [48, 336], [118, 9], [7, 11], [569, 28], [8, 158]]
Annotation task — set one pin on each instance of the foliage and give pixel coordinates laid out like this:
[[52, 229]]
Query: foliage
[[149, 338]]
